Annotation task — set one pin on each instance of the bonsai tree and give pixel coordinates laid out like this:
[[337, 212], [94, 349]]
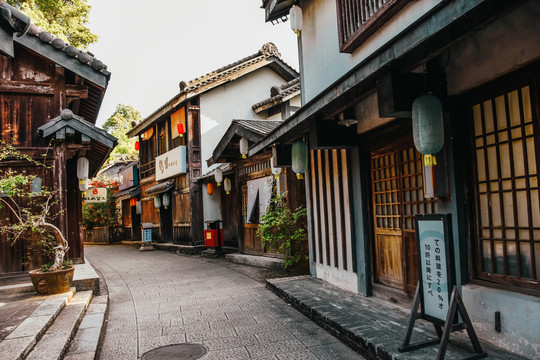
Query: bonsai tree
[[31, 208]]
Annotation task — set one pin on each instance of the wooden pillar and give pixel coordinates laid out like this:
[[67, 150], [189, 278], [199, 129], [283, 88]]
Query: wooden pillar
[[59, 101], [60, 183]]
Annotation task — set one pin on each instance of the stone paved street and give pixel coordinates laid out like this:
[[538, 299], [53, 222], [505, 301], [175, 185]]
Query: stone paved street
[[159, 298]]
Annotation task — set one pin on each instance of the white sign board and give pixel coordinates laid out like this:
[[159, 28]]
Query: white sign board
[[95, 195], [117, 158], [171, 163]]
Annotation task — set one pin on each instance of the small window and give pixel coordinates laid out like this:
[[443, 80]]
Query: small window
[[359, 19]]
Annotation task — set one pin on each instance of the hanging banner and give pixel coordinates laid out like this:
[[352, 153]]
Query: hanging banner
[[171, 163], [95, 195], [435, 265]]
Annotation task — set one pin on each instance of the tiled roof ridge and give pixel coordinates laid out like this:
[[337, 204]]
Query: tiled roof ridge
[[282, 91], [86, 58]]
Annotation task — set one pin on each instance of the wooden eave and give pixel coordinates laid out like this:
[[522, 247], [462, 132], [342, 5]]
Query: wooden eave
[[228, 149], [276, 9], [440, 28]]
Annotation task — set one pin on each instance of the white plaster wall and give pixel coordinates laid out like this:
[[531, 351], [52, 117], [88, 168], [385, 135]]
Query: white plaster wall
[[323, 64], [504, 46], [232, 101], [520, 318], [212, 204]]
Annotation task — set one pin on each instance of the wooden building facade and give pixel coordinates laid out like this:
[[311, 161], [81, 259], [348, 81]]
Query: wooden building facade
[[50, 95]]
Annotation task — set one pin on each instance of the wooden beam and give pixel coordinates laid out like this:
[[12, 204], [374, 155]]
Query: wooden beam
[[24, 87]]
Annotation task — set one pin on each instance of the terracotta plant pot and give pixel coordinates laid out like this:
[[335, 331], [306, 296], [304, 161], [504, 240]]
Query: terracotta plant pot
[[52, 282]]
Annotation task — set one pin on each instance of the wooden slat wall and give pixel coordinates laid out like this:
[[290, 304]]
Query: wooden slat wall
[[332, 239]]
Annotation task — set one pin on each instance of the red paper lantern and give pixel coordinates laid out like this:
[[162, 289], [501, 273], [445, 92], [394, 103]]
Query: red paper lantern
[[137, 145], [210, 188], [180, 128]]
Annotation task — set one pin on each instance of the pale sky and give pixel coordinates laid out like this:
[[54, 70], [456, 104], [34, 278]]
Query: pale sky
[[150, 46]]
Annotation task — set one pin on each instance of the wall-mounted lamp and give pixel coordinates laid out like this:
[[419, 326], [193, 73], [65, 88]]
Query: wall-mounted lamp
[[347, 118]]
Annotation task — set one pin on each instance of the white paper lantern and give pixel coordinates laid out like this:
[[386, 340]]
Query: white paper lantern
[[227, 186], [157, 202], [243, 147], [218, 175], [295, 15], [166, 200], [82, 168], [83, 184]]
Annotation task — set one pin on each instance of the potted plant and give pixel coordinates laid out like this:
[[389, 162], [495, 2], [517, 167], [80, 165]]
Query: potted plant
[[284, 229], [31, 209]]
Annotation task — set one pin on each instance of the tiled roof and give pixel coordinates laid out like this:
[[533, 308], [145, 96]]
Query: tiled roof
[[268, 53], [261, 127], [21, 24], [278, 94]]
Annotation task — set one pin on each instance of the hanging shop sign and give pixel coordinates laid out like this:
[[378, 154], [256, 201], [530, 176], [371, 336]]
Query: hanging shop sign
[[171, 163], [435, 261], [119, 158], [95, 195]]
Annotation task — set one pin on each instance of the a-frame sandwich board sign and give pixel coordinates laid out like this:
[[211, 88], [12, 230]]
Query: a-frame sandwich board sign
[[437, 293]]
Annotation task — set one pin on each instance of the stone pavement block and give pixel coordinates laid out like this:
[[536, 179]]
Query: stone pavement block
[[304, 355], [84, 356], [209, 334], [274, 348], [30, 326], [336, 351], [230, 342], [199, 319], [232, 354], [274, 336], [233, 321], [197, 327], [259, 328]]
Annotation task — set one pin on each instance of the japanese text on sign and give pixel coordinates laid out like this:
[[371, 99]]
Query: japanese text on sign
[[433, 267]]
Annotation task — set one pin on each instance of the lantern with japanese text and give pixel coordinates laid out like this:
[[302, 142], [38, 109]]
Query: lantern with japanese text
[[428, 127], [299, 158], [227, 186]]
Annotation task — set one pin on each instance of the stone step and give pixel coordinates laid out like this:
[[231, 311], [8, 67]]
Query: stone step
[[86, 342], [22, 339], [55, 341], [253, 260]]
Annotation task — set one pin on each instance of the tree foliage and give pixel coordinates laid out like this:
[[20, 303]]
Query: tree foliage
[[119, 124], [66, 19]]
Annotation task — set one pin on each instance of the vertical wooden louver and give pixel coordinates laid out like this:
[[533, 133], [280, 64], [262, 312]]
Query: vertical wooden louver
[[359, 19]]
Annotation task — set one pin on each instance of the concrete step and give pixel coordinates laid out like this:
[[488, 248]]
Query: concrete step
[[22, 339], [86, 342], [253, 260], [55, 341]]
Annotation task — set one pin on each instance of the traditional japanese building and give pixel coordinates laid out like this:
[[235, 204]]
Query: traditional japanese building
[[50, 95], [363, 64]]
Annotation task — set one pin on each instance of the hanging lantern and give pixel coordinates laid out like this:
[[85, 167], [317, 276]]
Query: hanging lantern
[[180, 128], [275, 170], [227, 186], [210, 188], [157, 202], [132, 202], [137, 146], [428, 127], [218, 175], [299, 158], [243, 147], [295, 14], [166, 201], [82, 168]]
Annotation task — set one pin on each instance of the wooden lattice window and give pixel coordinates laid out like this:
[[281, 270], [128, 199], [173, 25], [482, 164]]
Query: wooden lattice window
[[506, 189], [359, 19]]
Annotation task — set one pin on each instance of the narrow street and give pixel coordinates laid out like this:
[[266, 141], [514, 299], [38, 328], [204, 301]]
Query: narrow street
[[159, 298]]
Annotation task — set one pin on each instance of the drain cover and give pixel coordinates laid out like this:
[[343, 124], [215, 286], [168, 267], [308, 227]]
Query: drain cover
[[176, 352]]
